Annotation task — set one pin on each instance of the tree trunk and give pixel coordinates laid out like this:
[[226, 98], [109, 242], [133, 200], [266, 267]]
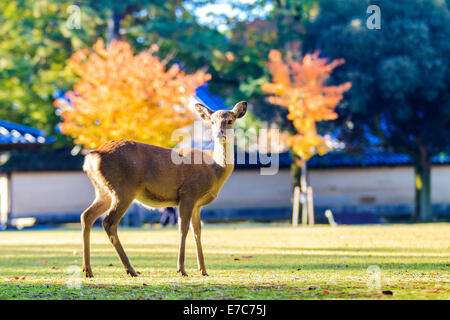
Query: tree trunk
[[303, 177], [300, 179], [113, 24], [422, 183], [304, 189], [295, 171]]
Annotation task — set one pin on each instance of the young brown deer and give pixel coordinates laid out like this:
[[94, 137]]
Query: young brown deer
[[124, 170]]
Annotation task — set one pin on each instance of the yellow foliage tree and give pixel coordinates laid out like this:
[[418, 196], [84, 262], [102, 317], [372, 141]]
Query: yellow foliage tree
[[123, 95], [300, 87]]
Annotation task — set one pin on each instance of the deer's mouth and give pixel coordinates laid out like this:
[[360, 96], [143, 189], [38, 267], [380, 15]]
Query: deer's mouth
[[220, 136]]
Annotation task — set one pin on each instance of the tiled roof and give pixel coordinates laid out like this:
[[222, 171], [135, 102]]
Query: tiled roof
[[368, 159], [343, 159], [62, 160], [43, 160], [12, 134]]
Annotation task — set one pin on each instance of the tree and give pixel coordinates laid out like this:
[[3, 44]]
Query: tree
[[123, 95], [36, 42], [239, 66], [400, 100], [168, 23], [300, 86]]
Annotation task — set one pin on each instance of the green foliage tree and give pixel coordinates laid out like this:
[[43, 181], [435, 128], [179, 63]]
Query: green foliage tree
[[400, 99], [242, 69], [168, 23], [37, 41]]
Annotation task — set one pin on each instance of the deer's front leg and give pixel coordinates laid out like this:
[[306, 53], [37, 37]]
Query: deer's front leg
[[87, 220], [196, 229], [186, 208]]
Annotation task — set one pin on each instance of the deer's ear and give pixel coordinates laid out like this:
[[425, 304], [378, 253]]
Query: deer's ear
[[203, 111], [240, 109]]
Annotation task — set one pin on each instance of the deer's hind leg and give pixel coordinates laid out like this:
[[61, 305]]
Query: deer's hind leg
[[96, 209], [120, 204]]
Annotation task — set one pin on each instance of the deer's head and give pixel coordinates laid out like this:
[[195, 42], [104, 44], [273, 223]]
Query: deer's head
[[222, 120]]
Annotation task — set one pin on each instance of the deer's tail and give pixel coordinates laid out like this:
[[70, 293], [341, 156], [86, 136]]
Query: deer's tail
[[91, 162]]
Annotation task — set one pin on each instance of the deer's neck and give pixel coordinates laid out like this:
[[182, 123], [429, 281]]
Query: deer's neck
[[224, 156]]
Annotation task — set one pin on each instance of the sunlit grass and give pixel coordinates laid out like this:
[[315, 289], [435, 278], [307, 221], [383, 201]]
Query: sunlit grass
[[243, 261]]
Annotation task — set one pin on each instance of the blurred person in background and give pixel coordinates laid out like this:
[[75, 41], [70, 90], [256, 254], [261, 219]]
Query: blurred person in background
[[169, 215]]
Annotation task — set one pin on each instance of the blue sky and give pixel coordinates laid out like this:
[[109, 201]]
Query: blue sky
[[227, 7]]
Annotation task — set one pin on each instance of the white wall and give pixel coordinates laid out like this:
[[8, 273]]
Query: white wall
[[440, 184], [72, 192], [247, 188], [50, 192], [384, 186], [332, 187], [4, 198], [364, 186]]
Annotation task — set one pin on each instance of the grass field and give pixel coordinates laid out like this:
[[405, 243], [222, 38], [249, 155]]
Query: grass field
[[243, 261]]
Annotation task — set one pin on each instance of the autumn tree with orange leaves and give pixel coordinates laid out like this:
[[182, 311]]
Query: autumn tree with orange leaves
[[299, 85], [123, 95]]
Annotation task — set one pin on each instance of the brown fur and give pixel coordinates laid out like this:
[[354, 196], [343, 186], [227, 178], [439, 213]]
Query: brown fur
[[124, 170]]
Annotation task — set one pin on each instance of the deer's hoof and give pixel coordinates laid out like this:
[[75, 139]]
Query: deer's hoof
[[132, 273], [88, 272], [205, 274], [182, 273]]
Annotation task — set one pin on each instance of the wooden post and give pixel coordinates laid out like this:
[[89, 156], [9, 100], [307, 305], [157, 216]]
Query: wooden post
[[304, 187], [310, 206], [4, 200], [330, 217], [295, 206]]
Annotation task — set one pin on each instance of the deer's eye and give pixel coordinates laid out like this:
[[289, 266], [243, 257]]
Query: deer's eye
[[230, 122]]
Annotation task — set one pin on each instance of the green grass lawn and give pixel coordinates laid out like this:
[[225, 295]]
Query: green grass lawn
[[243, 261]]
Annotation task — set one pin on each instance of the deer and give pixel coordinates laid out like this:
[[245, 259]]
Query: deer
[[122, 171]]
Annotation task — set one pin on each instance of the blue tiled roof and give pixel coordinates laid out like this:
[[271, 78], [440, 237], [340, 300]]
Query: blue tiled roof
[[368, 159], [13, 133], [61, 159], [214, 102], [342, 159]]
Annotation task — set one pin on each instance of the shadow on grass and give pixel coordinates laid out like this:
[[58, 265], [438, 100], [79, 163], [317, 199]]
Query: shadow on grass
[[279, 276], [171, 246], [356, 250], [178, 292], [40, 262]]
